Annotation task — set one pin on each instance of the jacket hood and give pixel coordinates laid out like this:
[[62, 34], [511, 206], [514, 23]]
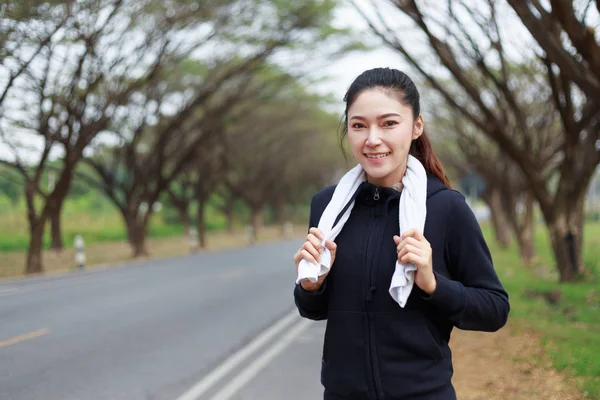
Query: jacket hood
[[434, 185]]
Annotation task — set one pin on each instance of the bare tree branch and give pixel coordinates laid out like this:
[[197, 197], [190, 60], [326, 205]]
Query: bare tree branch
[[43, 44], [589, 83]]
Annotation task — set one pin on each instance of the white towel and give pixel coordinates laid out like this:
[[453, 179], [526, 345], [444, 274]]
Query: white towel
[[412, 212]]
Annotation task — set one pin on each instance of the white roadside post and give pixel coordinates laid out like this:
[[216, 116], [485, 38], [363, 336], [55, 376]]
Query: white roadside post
[[79, 252], [288, 228], [249, 234]]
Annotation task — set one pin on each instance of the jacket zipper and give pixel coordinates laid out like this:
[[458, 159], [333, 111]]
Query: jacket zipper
[[367, 301], [369, 294]]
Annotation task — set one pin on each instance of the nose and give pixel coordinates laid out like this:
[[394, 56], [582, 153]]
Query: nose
[[374, 138]]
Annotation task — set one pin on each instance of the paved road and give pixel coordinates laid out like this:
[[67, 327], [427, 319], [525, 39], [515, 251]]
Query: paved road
[[160, 330]]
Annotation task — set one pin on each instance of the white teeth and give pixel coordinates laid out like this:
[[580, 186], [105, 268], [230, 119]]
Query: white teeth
[[377, 155]]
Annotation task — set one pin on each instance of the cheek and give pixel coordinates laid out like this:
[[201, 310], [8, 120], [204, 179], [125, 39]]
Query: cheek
[[403, 139]]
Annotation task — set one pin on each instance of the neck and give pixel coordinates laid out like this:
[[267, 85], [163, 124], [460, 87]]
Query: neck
[[393, 180]]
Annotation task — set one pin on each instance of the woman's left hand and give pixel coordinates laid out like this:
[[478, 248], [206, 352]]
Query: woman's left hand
[[414, 248]]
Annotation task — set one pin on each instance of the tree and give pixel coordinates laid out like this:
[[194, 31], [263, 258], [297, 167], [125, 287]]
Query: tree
[[152, 156], [473, 40], [506, 191], [103, 54], [16, 35], [157, 146], [10, 184], [458, 166], [180, 194], [280, 153]]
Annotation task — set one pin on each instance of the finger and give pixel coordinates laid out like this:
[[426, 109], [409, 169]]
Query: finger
[[408, 241], [419, 235], [409, 233], [411, 258], [401, 254], [317, 232], [315, 242], [309, 257], [298, 255], [330, 245], [415, 233], [311, 249], [408, 249], [397, 239]]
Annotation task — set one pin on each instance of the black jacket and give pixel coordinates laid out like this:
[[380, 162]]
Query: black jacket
[[373, 348]]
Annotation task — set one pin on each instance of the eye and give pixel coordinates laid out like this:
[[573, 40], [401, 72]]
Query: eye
[[357, 125], [390, 123]]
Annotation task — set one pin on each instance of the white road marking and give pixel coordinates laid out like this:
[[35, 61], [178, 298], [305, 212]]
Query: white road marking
[[261, 362], [25, 337], [237, 358]]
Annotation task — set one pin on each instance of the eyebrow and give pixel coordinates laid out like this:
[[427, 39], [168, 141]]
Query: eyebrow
[[383, 116]]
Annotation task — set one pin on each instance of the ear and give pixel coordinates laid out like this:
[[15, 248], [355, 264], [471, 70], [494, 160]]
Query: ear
[[418, 127]]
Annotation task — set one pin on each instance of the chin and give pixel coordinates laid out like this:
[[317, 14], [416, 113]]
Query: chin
[[377, 173]]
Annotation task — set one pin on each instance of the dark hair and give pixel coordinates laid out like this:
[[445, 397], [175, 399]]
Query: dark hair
[[398, 85]]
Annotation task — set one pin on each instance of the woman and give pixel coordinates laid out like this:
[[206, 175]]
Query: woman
[[377, 345]]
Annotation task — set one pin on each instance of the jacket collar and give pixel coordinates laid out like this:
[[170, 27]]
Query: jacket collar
[[367, 191]]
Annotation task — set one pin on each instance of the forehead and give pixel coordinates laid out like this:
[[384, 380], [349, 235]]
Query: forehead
[[376, 101]]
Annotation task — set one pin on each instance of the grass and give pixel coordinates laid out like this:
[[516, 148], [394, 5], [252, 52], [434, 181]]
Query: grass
[[92, 217], [568, 329]]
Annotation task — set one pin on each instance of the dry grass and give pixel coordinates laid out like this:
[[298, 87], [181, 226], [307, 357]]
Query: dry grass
[[506, 365], [12, 264]]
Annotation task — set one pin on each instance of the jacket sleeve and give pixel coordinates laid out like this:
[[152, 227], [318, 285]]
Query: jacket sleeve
[[312, 305], [474, 299]]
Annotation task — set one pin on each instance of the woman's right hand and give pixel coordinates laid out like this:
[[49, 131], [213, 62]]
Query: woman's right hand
[[311, 251]]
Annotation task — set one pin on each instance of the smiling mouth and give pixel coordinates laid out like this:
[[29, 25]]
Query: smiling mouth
[[378, 155]]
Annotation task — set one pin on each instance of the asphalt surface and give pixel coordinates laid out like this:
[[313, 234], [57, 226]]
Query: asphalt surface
[[160, 330]]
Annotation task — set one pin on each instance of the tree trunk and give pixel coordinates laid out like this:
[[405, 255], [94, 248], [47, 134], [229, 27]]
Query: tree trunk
[[500, 221], [280, 212], [138, 243], [129, 220], [526, 234], [184, 215], [565, 226], [228, 209], [55, 227], [37, 223], [137, 230], [201, 223], [257, 219], [182, 205], [34, 263]]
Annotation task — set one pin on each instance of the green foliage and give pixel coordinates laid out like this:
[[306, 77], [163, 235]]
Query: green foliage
[[570, 327], [11, 184], [95, 217], [26, 10]]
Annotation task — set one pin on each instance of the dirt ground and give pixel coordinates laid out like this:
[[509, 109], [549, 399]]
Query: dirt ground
[[505, 366]]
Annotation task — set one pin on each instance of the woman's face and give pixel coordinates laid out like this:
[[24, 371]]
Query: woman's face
[[380, 132]]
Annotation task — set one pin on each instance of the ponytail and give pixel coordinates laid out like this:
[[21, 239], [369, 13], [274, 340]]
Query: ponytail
[[422, 150]]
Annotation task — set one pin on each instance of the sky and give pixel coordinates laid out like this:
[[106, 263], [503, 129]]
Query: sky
[[342, 72]]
